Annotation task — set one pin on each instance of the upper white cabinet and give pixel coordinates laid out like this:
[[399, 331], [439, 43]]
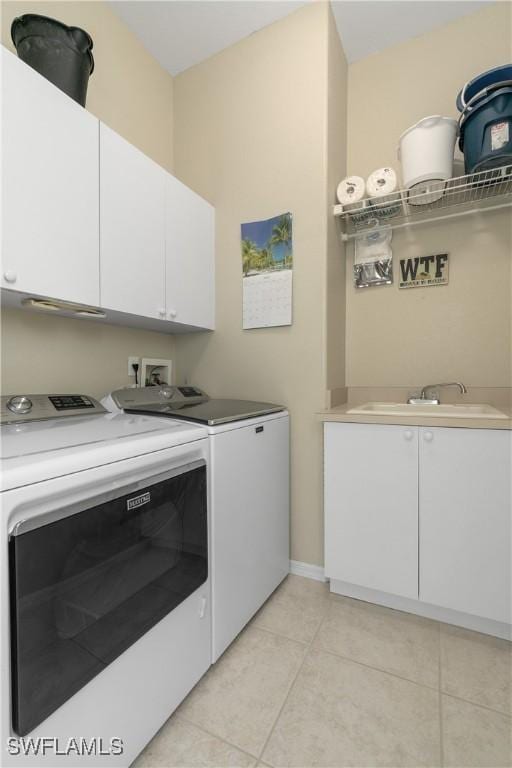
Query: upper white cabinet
[[50, 227], [465, 520], [88, 218], [371, 507], [190, 251], [132, 234], [156, 240]]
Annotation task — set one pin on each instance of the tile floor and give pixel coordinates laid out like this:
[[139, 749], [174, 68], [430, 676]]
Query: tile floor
[[321, 680]]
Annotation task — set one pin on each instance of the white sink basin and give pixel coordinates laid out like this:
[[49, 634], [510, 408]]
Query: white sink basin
[[448, 410]]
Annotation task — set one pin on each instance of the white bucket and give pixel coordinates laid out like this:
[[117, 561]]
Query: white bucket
[[426, 152]]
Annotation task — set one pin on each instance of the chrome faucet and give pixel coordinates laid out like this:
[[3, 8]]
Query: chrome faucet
[[434, 399]]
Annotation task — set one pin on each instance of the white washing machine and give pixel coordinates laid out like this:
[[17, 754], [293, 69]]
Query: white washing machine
[[105, 589], [250, 495]]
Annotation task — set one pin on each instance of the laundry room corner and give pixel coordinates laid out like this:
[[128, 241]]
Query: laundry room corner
[[251, 158]]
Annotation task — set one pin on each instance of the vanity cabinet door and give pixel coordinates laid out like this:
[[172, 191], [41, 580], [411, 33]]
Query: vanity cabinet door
[[371, 506], [465, 520]]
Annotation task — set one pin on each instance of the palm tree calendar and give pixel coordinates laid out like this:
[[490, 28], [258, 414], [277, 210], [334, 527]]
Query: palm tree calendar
[[267, 245], [267, 264]]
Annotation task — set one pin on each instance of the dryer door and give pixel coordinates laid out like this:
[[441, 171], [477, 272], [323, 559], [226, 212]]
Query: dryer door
[[89, 582]]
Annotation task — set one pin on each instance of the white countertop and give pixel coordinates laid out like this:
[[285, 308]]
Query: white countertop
[[342, 413]]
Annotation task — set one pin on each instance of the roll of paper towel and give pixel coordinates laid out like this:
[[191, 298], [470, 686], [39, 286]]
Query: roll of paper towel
[[350, 190], [381, 182]]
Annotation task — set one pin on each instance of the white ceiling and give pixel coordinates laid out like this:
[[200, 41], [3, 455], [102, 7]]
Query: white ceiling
[[368, 26], [181, 33]]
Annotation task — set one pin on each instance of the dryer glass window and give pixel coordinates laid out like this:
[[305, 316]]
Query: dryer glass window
[[88, 585]]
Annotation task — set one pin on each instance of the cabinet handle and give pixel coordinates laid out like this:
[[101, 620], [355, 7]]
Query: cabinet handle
[[10, 277], [172, 313], [428, 437], [408, 434]]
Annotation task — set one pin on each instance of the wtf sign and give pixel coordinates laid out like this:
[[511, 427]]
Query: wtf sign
[[422, 271]]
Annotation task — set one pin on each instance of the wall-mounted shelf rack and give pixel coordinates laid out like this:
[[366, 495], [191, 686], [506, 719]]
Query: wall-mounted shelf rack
[[461, 196]]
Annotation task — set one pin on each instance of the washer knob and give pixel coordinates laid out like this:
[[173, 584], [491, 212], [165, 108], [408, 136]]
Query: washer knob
[[10, 276], [19, 404], [166, 392]]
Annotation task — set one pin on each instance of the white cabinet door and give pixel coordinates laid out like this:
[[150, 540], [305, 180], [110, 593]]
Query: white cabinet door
[[250, 507], [371, 506], [132, 232], [50, 189], [465, 520], [190, 252]]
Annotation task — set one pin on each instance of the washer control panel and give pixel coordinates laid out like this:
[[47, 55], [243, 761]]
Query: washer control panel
[[68, 402], [16, 408]]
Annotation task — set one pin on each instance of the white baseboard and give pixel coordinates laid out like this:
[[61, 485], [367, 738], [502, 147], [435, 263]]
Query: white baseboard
[[444, 615], [307, 570]]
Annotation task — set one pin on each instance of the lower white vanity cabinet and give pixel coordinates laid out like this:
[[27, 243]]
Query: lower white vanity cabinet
[[421, 513], [465, 520], [371, 506]]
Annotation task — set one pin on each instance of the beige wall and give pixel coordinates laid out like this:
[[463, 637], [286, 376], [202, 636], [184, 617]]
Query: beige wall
[[128, 90], [336, 157], [408, 337], [42, 353], [250, 136], [132, 94]]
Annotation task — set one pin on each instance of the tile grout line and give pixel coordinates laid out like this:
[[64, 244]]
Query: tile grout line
[[280, 634], [348, 658], [216, 736], [508, 715], [308, 648], [415, 682], [378, 669], [257, 757], [386, 671], [477, 704], [300, 643]]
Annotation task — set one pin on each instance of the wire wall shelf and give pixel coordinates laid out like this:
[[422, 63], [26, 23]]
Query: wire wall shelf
[[434, 201]]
